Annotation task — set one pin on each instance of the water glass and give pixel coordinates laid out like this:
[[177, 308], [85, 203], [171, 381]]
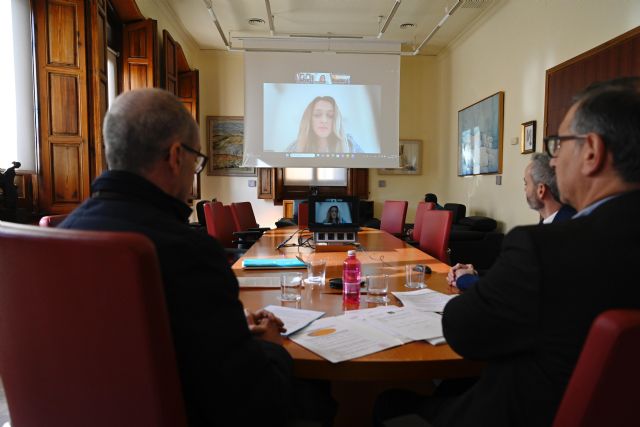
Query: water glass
[[316, 271], [414, 276], [291, 287], [377, 288]]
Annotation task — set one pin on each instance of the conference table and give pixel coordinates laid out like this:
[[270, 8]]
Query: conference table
[[416, 361]]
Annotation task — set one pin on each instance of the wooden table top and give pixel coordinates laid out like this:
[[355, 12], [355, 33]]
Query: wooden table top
[[413, 361]]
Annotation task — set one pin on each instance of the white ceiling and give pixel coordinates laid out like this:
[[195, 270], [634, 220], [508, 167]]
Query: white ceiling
[[352, 18]]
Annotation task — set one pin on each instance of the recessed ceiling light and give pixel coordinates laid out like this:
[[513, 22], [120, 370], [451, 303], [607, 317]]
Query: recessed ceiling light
[[256, 21], [407, 25]]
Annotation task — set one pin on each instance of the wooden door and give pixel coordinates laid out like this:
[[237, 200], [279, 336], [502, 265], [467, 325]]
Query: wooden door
[[62, 97], [139, 55], [169, 63]]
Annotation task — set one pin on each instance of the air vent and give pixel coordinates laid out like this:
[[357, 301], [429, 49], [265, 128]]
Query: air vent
[[407, 25], [475, 4], [256, 21]]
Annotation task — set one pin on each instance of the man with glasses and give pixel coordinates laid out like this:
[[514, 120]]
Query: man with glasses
[[529, 316], [231, 373]]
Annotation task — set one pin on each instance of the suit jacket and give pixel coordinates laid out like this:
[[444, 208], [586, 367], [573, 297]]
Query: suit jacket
[[565, 213], [529, 316], [228, 377]]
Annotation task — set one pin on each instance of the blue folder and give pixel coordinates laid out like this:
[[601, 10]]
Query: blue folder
[[278, 263]]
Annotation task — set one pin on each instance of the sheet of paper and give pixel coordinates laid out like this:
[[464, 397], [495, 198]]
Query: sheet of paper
[[259, 282], [404, 323], [338, 339], [424, 300], [294, 318]]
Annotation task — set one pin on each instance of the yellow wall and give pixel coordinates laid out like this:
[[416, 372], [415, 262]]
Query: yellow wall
[[508, 49]]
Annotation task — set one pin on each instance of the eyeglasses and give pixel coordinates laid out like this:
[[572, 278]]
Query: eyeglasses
[[201, 159], [552, 142]]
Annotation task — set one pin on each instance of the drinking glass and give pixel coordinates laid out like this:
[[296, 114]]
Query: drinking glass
[[414, 276], [290, 287], [316, 271], [377, 288]]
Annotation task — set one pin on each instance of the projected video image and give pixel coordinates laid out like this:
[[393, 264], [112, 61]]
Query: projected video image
[[312, 118], [329, 212]]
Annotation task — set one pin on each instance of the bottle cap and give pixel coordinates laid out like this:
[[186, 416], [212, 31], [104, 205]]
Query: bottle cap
[[351, 252]]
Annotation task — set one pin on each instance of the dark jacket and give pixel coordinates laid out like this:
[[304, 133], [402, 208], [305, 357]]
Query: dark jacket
[[565, 213], [228, 377], [529, 316]]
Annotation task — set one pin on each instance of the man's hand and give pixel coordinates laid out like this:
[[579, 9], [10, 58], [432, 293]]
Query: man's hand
[[459, 270], [265, 325]]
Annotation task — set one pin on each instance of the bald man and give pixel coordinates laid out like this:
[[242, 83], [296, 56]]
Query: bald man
[[233, 368]]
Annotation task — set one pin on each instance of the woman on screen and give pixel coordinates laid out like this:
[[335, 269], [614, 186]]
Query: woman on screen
[[333, 216], [321, 130]]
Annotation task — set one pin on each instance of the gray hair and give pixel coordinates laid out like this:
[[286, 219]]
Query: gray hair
[[543, 173], [140, 127], [612, 110]]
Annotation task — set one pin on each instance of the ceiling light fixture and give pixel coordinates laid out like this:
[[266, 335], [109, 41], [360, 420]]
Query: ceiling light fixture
[[209, 6], [272, 28], [389, 18]]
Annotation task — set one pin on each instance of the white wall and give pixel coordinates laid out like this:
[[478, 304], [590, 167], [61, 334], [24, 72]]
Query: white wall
[[509, 50]]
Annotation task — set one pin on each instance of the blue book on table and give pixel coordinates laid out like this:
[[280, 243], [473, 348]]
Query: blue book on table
[[262, 263]]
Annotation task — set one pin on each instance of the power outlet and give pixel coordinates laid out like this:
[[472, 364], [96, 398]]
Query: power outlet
[[252, 183], [382, 183], [498, 179]]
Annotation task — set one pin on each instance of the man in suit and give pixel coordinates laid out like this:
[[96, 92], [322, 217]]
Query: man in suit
[[232, 366], [529, 316], [542, 195]]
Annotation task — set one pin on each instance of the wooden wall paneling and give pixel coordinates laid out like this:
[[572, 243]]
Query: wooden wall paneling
[[139, 55], [618, 57], [98, 84], [63, 104], [169, 63], [127, 10], [358, 183]]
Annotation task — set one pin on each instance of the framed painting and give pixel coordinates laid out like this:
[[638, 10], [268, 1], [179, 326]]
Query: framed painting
[[410, 152], [528, 137], [480, 134], [225, 146]]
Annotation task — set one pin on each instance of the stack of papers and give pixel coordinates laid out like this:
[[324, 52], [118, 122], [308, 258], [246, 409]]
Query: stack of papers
[[361, 332], [262, 263]]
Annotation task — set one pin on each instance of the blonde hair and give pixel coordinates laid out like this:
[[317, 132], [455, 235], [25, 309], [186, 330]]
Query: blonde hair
[[307, 139]]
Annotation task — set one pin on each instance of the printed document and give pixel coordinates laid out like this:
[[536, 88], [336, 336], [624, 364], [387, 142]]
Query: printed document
[[338, 339], [403, 323], [294, 318], [424, 300]]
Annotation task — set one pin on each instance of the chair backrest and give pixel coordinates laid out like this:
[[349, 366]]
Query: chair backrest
[[52, 220], [394, 213], [85, 335], [434, 236], [220, 223], [417, 222], [243, 216], [601, 389], [303, 215], [459, 211]]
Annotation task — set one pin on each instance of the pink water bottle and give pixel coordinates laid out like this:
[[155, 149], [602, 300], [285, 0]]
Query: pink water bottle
[[351, 279]]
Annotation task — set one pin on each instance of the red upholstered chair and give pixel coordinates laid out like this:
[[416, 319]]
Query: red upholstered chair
[[417, 223], [52, 220], [601, 391], [303, 215], [85, 335], [394, 213], [434, 236], [220, 223], [243, 217]]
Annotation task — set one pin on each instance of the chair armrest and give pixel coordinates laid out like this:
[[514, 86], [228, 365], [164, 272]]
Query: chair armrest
[[260, 229]]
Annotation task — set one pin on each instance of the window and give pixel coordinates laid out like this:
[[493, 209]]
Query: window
[[112, 74], [17, 116], [327, 177]]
